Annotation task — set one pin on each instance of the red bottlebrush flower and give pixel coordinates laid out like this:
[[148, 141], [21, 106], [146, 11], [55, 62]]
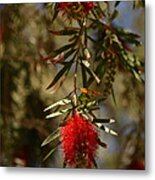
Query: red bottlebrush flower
[[63, 5], [87, 6], [79, 142], [75, 9]]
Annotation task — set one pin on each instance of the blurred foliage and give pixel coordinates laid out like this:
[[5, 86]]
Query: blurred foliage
[[28, 34]]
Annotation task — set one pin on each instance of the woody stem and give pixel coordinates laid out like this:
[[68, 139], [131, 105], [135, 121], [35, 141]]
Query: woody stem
[[75, 84]]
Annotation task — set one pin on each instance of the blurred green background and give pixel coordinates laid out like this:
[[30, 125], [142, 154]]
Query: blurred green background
[[24, 40]]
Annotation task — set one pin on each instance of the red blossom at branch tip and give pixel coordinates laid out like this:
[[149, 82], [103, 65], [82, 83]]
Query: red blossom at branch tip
[[79, 142], [75, 9]]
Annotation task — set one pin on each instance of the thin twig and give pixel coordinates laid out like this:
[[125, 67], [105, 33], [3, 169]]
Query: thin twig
[[75, 83]]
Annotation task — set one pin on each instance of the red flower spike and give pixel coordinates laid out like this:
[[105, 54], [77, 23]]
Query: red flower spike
[[87, 6], [75, 9], [79, 142]]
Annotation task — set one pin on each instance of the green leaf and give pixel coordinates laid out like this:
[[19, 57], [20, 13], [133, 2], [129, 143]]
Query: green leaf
[[113, 96], [69, 53], [116, 40], [91, 103], [55, 12], [84, 76], [117, 3], [66, 32], [110, 131], [59, 83], [60, 74], [61, 102], [53, 136], [63, 48], [106, 129], [86, 63], [90, 72], [94, 162], [137, 76], [103, 144], [58, 113], [114, 15], [128, 37], [60, 50], [129, 61], [99, 71], [51, 152], [104, 120]]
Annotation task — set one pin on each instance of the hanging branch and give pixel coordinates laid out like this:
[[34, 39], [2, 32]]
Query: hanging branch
[[110, 52]]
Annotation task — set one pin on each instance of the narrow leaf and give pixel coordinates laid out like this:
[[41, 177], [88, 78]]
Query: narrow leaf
[[91, 103], [99, 71], [58, 52], [58, 84], [108, 120], [53, 136], [69, 53], [128, 37], [86, 63], [58, 59], [110, 131], [91, 72], [137, 76], [55, 12], [61, 102], [107, 130], [84, 76], [103, 144], [114, 133], [94, 162], [58, 113], [113, 96], [59, 75], [117, 3], [51, 152], [63, 32], [114, 15], [63, 48]]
